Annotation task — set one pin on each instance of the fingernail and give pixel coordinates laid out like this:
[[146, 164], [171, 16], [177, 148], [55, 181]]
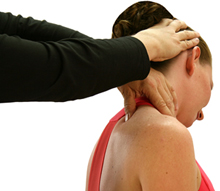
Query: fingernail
[[126, 117]]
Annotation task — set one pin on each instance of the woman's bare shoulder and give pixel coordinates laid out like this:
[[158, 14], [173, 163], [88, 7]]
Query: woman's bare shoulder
[[151, 127], [164, 148]]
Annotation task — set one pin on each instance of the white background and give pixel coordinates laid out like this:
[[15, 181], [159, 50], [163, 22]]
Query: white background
[[46, 146]]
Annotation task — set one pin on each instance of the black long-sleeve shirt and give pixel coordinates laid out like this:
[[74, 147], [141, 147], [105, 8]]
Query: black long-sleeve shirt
[[41, 61]]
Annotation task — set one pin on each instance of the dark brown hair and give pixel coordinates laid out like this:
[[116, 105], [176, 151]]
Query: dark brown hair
[[145, 14]]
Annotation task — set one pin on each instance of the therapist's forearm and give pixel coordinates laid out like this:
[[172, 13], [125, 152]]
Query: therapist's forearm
[[64, 69]]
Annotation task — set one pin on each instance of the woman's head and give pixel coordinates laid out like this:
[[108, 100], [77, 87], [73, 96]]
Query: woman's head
[[197, 85], [143, 15]]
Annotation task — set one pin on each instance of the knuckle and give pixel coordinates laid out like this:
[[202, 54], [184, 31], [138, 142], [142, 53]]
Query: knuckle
[[178, 22], [187, 34], [151, 83], [159, 84], [127, 106], [161, 103], [172, 89], [169, 103], [176, 40], [187, 43]]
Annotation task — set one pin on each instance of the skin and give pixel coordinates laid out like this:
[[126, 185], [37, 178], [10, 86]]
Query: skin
[[152, 151], [162, 42]]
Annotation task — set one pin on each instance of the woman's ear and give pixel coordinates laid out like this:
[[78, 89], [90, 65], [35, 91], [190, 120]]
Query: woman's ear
[[192, 60]]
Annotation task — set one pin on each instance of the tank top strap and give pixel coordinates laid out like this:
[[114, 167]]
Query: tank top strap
[[143, 101], [139, 101]]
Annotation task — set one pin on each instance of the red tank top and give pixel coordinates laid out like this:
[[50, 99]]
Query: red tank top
[[99, 154]]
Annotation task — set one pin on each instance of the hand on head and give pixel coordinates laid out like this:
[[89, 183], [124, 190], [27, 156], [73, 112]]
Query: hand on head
[[164, 41]]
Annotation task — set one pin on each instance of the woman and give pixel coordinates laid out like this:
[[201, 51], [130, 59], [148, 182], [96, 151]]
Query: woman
[[153, 151]]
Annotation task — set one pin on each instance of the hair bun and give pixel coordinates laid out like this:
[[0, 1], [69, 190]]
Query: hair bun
[[122, 28], [137, 17]]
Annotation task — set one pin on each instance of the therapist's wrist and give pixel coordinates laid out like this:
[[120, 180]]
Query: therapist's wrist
[[151, 45]]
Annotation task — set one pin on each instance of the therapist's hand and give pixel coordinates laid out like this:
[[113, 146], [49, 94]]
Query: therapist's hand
[[164, 41], [156, 88]]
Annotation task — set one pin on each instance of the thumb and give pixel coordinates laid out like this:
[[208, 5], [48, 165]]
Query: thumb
[[129, 105]]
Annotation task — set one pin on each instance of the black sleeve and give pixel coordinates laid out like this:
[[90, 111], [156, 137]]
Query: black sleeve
[[36, 68], [35, 30]]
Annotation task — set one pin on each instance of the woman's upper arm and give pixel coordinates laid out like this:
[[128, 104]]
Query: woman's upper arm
[[168, 161]]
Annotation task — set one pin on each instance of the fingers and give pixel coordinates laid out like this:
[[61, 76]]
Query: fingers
[[165, 101], [174, 96], [187, 35], [177, 25], [129, 101], [161, 94], [129, 106], [187, 44], [173, 106], [160, 104], [188, 39]]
